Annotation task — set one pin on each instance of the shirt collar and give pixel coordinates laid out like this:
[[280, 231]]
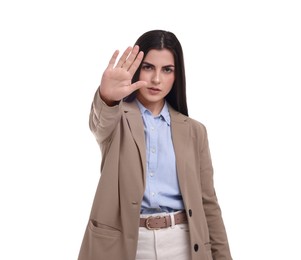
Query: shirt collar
[[164, 114]]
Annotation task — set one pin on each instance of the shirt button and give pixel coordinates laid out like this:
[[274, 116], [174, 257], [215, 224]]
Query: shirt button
[[153, 194], [152, 128], [153, 150], [151, 174]]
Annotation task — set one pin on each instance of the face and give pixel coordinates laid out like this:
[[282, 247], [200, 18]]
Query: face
[[158, 70]]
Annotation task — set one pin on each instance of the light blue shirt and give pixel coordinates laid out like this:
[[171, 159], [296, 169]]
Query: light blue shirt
[[162, 193]]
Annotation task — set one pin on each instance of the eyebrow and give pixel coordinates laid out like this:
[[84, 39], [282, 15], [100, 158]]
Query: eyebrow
[[149, 64]]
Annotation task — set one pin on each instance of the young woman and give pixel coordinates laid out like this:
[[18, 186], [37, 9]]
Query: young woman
[[155, 198]]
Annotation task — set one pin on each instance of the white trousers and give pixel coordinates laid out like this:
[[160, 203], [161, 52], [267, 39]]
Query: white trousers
[[163, 244]]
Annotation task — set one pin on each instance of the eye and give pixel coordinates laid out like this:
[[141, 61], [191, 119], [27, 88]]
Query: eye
[[168, 69], [146, 67]]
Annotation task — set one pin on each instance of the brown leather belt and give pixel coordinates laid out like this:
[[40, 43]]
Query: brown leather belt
[[158, 222]]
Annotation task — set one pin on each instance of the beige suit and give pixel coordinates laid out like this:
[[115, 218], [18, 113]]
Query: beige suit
[[112, 231]]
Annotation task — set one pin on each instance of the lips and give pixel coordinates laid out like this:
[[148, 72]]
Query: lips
[[153, 90]]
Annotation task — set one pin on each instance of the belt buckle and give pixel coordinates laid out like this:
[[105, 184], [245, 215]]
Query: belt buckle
[[147, 224]]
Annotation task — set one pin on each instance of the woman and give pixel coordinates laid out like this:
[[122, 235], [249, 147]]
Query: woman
[[155, 198]]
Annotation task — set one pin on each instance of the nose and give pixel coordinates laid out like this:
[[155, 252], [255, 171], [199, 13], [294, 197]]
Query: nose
[[156, 78]]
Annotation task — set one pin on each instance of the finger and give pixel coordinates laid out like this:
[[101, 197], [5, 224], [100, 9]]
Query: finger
[[124, 57], [131, 58], [138, 84], [136, 63], [113, 59]]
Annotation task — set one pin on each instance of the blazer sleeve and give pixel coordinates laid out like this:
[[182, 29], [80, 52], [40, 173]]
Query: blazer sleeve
[[218, 237], [103, 118]]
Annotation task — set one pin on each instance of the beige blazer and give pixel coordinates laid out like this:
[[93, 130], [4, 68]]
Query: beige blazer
[[112, 230]]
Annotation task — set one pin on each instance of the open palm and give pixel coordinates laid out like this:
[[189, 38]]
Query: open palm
[[116, 80]]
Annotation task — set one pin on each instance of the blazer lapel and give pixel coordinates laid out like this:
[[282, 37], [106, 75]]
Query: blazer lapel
[[180, 133], [135, 121]]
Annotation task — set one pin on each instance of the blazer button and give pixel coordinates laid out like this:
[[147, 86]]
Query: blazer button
[[190, 213], [196, 247]]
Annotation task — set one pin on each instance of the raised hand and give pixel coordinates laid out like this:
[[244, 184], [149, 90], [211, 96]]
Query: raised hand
[[116, 80]]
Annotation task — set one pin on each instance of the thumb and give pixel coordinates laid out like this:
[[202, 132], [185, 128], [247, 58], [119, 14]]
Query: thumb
[[138, 84]]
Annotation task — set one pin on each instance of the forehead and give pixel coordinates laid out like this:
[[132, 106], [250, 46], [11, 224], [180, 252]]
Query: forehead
[[159, 57]]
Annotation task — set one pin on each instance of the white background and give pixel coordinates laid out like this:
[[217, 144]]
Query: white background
[[243, 64]]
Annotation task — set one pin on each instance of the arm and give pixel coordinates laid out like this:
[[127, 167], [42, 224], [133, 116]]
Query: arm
[[103, 118], [115, 85]]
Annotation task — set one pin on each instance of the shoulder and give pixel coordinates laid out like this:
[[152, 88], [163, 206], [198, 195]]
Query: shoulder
[[191, 122], [196, 129]]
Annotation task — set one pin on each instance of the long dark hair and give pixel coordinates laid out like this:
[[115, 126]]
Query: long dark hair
[[158, 40]]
